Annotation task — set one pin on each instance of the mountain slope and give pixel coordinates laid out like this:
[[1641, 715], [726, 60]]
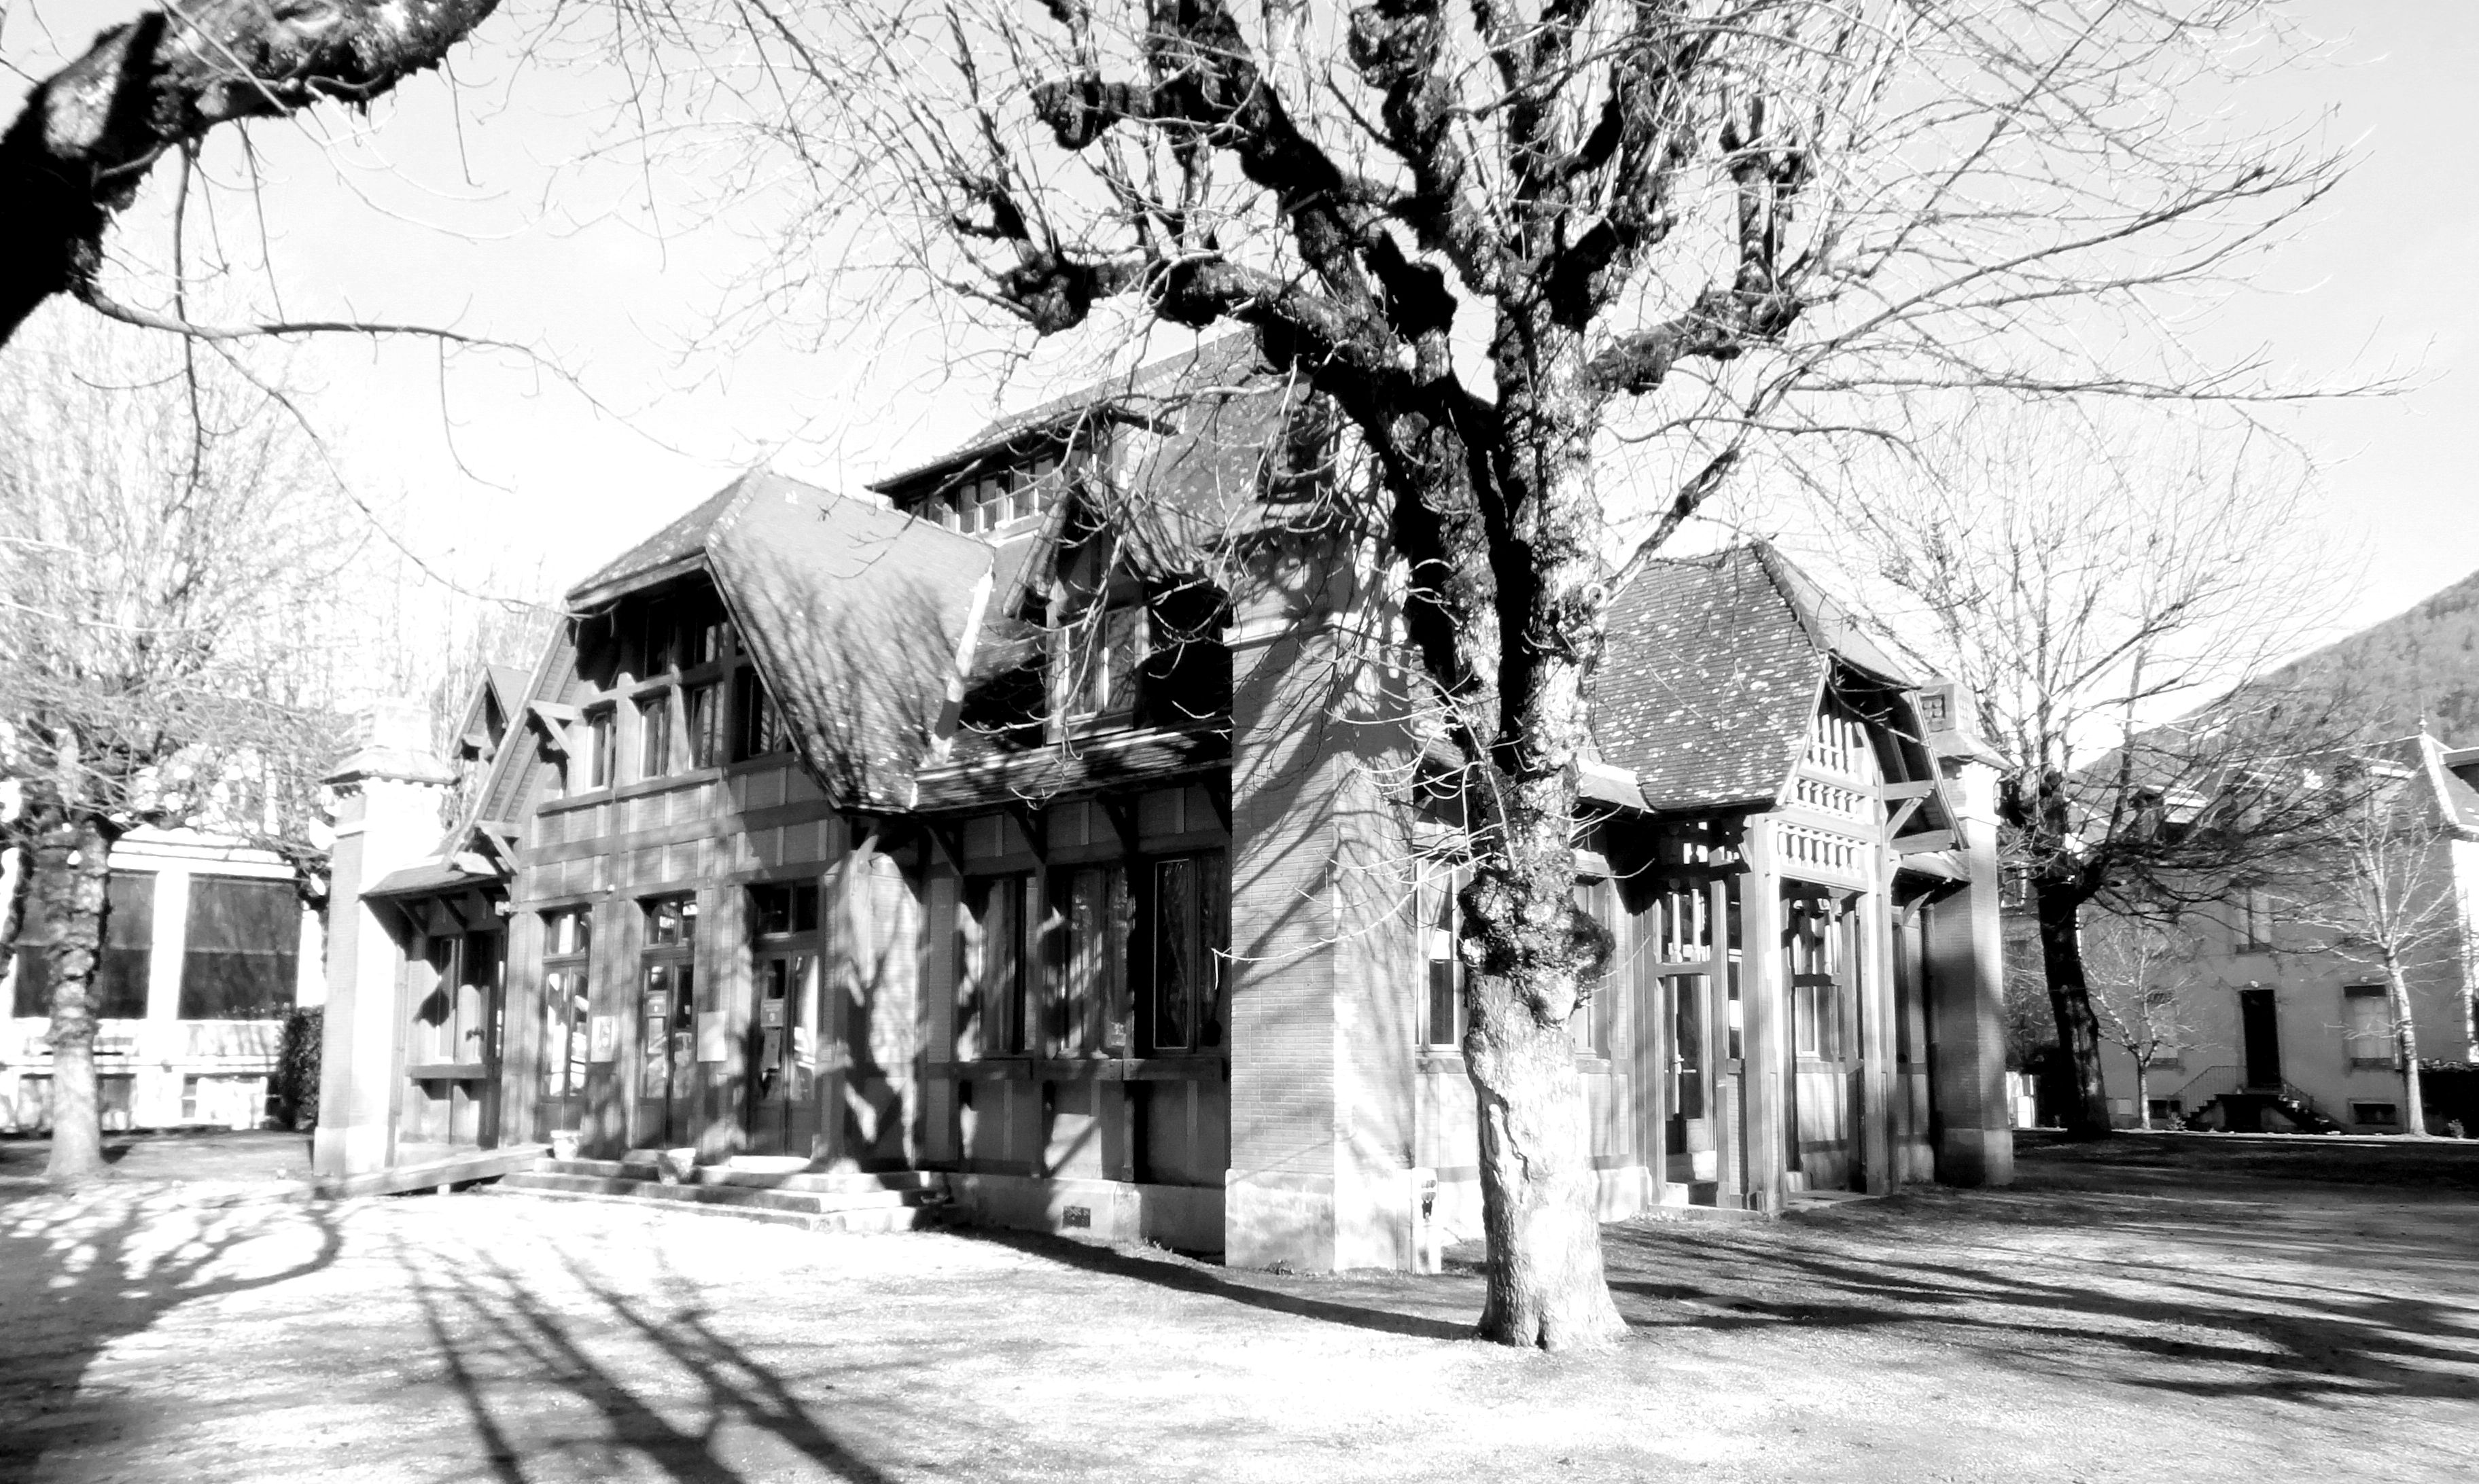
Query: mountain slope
[[2425, 660]]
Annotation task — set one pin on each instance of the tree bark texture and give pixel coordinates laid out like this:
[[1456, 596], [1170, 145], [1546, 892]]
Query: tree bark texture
[[71, 869], [2406, 1047], [2061, 955], [89, 133]]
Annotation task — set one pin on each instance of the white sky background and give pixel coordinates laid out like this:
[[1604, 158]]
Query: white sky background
[[508, 205]]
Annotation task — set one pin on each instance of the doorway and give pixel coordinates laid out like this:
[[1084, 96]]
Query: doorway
[[782, 1110], [667, 1080], [2259, 1033], [1820, 966]]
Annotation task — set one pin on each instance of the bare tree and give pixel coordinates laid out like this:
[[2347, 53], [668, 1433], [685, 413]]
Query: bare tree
[[165, 565], [2389, 899], [2085, 579], [2141, 979], [1499, 239], [87, 136]]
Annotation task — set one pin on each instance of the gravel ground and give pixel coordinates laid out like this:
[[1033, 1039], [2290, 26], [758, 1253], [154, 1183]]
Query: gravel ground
[[2138, 1310]]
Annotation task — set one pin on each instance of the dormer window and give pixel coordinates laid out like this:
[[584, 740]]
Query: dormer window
[[1111, 654], [994, 497]]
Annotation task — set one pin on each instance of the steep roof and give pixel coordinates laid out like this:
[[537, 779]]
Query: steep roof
[[1713, 672], [1134, 394], [855, 615], [682, 539], [2455, 798]]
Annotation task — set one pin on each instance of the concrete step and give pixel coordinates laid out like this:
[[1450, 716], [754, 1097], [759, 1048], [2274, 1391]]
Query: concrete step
[[798, 1202], [817, 1182], [463, 1167], [908, 1215]]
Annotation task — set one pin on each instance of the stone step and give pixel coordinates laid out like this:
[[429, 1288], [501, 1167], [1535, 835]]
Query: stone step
[[861, 1222], [796, 1202]]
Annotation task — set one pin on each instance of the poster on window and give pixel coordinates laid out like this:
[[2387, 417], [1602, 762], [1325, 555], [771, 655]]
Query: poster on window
[[605, 1042]]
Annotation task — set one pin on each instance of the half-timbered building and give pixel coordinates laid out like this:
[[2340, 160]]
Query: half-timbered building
[[1050, 825]]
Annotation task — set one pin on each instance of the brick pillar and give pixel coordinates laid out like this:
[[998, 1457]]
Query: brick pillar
[[1321, 998], [1966, 994], [387, 817]]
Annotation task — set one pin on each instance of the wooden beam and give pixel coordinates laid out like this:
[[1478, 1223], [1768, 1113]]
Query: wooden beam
[[1037, 831], [1925, 842], [1919, 789], [1122, 812]]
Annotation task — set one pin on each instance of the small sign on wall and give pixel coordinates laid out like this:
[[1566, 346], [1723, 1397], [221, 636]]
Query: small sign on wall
[[710, 1036], [604, 1044]]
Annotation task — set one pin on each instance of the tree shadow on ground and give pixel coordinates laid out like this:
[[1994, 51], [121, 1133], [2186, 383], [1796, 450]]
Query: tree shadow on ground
[[2188, 1328], [1182, 1276], [113, 1259], [505, 1344]]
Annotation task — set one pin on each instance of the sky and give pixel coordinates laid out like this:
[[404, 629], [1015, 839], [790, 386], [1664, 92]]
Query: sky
[[504, 201]]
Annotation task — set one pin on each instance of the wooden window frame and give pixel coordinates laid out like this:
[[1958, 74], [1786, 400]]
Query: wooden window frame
[[567, 1024]]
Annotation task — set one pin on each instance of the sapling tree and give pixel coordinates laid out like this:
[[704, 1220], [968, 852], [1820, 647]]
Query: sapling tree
[[2388, 898], [2144, 995]]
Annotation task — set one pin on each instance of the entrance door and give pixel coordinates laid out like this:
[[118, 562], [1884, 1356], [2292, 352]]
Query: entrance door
[[567, 1018], [1820, 962], [1693, 1153], [782, 1110], [667, 1077], [2259, 1027], [667, 1035]]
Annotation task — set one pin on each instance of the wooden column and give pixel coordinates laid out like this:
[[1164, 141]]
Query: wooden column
[[1765, 1070], [1647, 1033], [1877, 1024]]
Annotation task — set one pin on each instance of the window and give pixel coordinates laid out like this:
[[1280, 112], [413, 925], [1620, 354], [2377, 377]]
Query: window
[[119, 985], [1816, 953], [1442, 1020], [2367, 1024], [1090, 907], [1188, 932], [1115, 646], [758, 726], [2254, 927], [1594, 1021], [779, 910], [457, 1021], [129, 945], [655, 736], [705, 706], [995, 963], [2382, 1115], [598, 747], [568, 937], [666, 1024], [710, 641], [243, 945]]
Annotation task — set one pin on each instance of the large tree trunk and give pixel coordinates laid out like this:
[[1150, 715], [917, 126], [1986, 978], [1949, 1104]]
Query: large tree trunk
[[89, 133], [2406, 1047], [2061, 955], [1535, 955], [71, 868]]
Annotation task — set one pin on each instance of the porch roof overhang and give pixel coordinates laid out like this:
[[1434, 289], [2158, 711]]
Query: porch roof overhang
[[460, 872]]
